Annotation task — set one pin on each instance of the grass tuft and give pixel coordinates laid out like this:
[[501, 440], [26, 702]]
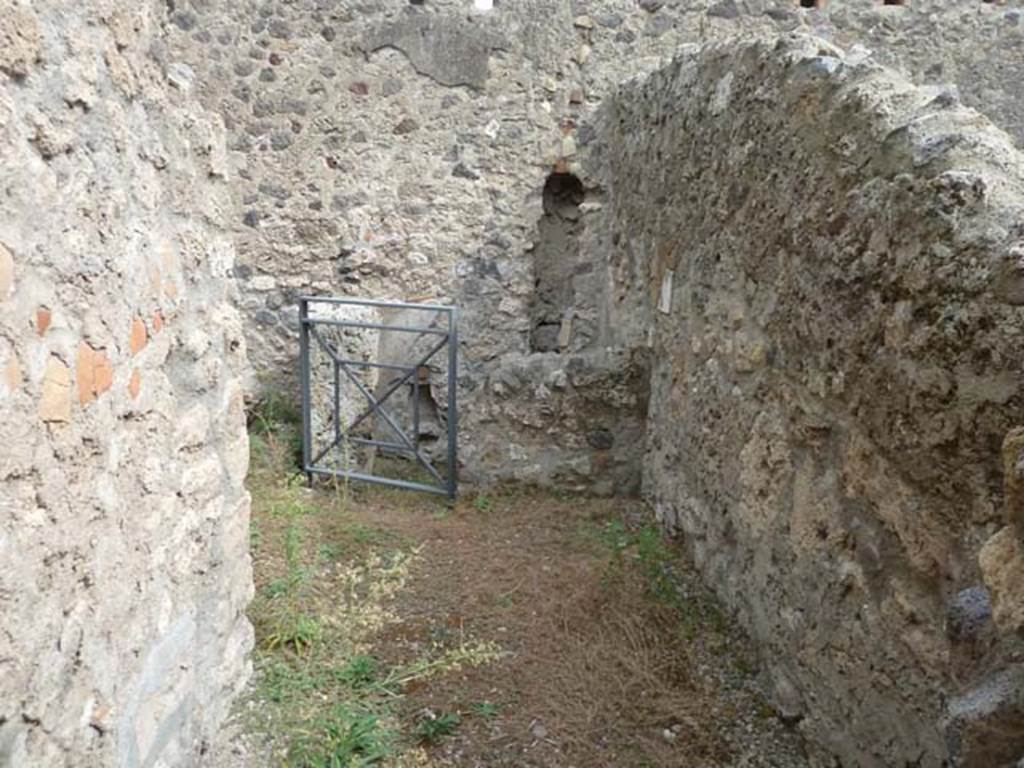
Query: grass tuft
[[434, 727]]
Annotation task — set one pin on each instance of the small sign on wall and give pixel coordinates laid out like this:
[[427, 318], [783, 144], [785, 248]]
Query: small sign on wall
[[665, 299]]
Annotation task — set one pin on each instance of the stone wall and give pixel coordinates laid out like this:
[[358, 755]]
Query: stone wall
[[123, 517], [831, 262], [401, 150]]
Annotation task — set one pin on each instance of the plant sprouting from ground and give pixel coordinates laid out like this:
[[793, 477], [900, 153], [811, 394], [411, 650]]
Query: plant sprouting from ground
[[274, 427], [299, 632], [343, 737], [359, 672], [485, 709], [433, 727]]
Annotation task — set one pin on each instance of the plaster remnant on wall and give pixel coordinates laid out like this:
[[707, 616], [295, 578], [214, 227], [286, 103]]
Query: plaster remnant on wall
[[450, 51]]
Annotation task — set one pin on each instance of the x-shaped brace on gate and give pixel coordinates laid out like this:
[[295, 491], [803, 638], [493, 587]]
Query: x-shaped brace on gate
[[376, 405]]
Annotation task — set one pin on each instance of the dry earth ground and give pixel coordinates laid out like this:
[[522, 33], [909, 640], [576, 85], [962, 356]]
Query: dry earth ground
[[519, 628]]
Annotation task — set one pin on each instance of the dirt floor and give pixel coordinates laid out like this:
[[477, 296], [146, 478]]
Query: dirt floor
[[517, 628]]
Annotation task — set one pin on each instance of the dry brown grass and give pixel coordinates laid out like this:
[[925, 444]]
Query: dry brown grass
[[597, 671]]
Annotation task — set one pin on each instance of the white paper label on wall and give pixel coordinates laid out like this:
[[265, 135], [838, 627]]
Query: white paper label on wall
[[665, 300]]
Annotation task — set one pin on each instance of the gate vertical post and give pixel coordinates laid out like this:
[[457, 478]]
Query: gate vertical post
[[453, 413], [304, 374], [339, 452]]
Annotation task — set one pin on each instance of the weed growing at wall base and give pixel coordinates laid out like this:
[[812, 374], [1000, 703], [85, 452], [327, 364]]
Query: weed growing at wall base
[[325, 583], [645, 550]]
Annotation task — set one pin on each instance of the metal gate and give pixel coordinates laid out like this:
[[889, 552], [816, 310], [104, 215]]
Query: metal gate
[[348, 387]]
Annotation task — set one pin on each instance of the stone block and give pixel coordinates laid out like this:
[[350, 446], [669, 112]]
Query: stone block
[[1013, 479], [968, 614], [986, 723], [20, 41], [1002, 566], [55, 403]]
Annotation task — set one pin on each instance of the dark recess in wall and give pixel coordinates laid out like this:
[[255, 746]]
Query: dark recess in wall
[[555, 259]]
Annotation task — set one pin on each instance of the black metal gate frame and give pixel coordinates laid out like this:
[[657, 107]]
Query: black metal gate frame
[[448, 484]]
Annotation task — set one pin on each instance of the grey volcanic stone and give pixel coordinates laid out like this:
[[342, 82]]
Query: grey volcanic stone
[[969, 614], [726, 9]]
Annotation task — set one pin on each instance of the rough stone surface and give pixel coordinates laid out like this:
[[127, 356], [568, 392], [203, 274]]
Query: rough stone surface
[[985, 722], [780, 279], [123, 551], [969, 614], [1002, 565], [1013, 479], [450, 205], [815, 243]]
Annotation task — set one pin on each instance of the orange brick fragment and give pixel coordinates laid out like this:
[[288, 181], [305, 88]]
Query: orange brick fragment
[[135, 384], [93, 372], [138, 336], [103, 373], [12, 374], [43, 319], [84, 366], [158, 322]]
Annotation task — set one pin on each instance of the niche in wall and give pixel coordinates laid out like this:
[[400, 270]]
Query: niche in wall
[[556, 258]]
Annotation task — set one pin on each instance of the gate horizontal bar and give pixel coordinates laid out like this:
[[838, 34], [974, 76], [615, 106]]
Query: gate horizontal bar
[[368, 364], [407, 484], [376, 303], [381, 444], [375, 326]]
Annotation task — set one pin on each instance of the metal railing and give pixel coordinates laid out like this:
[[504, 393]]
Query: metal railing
[[317, 324]]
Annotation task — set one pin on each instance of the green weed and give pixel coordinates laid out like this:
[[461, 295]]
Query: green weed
[[359, 672], [320, 696], [292, 506], [345, 737], [275, 421], [485, 709], [432, 728], [329, 552], [644, 549], [298, 632], [276, 588], [281, 681]]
